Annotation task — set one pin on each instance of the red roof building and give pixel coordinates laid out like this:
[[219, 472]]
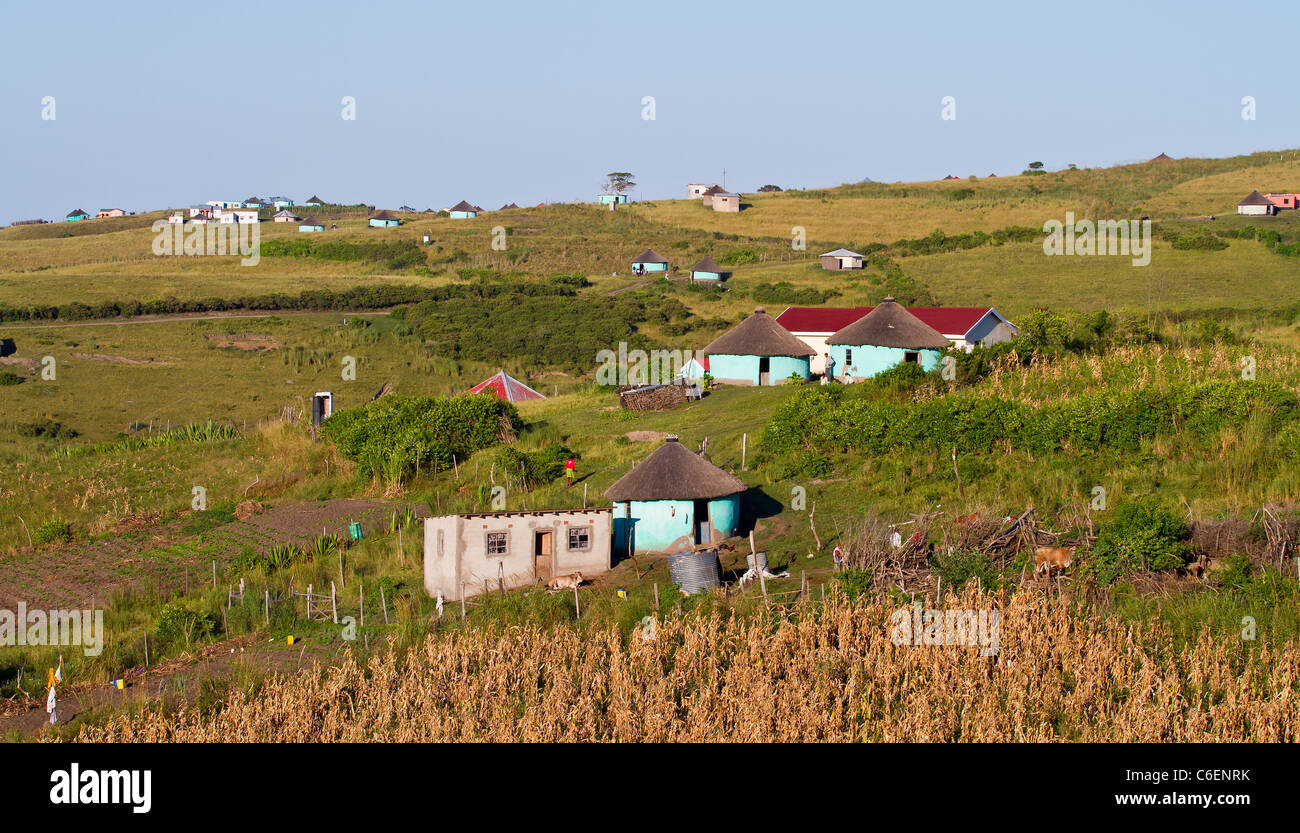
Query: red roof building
[[965, 327], [506, 387]]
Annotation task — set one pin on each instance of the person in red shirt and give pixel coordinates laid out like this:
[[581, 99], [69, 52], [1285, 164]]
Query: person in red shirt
[[570, 467]]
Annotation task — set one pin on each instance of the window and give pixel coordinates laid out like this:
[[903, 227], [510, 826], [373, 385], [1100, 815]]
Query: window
[[848, 358], [496, 543], [579, 537], [911, 356]]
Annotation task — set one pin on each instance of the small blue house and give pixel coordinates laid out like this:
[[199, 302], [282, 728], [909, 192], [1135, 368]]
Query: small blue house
[[673, 500], [887, 336], [613, 199], [77, 214], [463, 211], [758, 351], [313, 200], [384, 219], [650, 261], [310, 225], [708, 270], [281, 202]]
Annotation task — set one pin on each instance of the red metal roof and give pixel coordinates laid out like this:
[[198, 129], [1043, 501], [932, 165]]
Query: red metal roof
[[506, 387], [951, 321]]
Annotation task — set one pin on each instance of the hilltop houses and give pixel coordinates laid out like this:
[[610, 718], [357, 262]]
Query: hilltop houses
[[77, 214], [281, 202], [649, 261], [285, 216], [964, 327], [758, 351], [706, 196], [613, 199], [313, 200], [696, 190], [887, 336], [467, 554], [674, 499], [384, 219], [504, 386], [707, 269], [109, 212], [1256, 204], [1283, 201], [841, 259], [463, 211], [237, 215], [310, 225]]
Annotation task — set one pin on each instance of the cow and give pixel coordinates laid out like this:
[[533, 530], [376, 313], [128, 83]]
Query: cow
[[1047, 559], [566, 582]]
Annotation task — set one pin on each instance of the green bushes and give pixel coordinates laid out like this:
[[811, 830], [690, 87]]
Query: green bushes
[[8, 377], [957, 567], [536, 468], [392, 254], [395, 435], [1143, 534], [1201, 240], [52, 531], [738, 257], [829, 419]]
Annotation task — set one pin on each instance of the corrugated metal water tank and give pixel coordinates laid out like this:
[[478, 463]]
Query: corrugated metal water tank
[[695, 571]]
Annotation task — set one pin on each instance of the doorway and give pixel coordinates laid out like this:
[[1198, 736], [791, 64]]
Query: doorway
[[543, 560], [703, 534], [764, 370]]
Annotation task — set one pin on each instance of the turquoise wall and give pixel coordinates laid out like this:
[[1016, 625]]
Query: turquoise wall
[[383, 223], [463, 215], [311, 228], [870, 360], [669, 525], [606, 199], [744, 369], [706, 276], [652, 267]]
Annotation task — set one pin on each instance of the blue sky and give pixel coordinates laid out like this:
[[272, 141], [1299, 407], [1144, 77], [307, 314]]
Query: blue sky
[[529, 102]]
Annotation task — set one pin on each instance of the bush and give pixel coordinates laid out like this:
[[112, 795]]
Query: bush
[[1143, 534], [960, 566], [855, 581], [8, 377], [738, 257], [535, 468], [51, 531]]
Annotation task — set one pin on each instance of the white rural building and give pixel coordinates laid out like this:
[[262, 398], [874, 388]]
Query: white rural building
[[471, 552], [1256, 203], [841, 259]]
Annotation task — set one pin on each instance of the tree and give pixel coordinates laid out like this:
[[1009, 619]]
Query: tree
[[769, 188], [1035, 166], [620, 182]]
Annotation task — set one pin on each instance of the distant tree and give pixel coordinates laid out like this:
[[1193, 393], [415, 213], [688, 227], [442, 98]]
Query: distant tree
[[619, 182], [768, 188], [1035, 166]]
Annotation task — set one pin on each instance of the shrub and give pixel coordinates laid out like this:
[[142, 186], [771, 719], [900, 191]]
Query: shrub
[[8, 377], [51, 531], [738, 257], [855, 581], [1144, 534], [960, 566]]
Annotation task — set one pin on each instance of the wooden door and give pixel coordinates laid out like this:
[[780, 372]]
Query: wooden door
[[543, 560], [764, 371]]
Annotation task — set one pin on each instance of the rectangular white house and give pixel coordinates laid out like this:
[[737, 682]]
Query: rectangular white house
[[467, 554]]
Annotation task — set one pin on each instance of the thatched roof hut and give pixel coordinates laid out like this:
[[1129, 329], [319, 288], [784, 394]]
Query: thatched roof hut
[[890, 325], [758, 335], [673, 472]]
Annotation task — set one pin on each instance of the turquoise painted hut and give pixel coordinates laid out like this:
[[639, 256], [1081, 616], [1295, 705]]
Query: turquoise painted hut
[[708, 270], [758, 351], [313, 200], [308, 224], [650, 261], [77, 214], [887, 336], [673, 500], [613, 199], [384, 219], [463, 211]]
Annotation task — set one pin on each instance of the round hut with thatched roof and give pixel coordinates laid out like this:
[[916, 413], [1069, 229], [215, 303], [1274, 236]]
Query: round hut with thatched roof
[[758, 351], [673, 500], [886, 337]]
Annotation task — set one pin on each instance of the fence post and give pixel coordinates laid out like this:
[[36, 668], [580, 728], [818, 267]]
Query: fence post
[[334, 602], [308, 601], [656, 595], [266, 605], [214, 574], [577, 604], [361, 596], [383, 603], [462, 601]]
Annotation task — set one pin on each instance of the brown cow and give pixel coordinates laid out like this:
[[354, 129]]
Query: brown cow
[[1047, 559], [566, 582]]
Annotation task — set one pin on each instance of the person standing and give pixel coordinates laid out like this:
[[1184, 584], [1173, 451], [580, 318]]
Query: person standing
[[828, 375], [837, 558], [570, 468]]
